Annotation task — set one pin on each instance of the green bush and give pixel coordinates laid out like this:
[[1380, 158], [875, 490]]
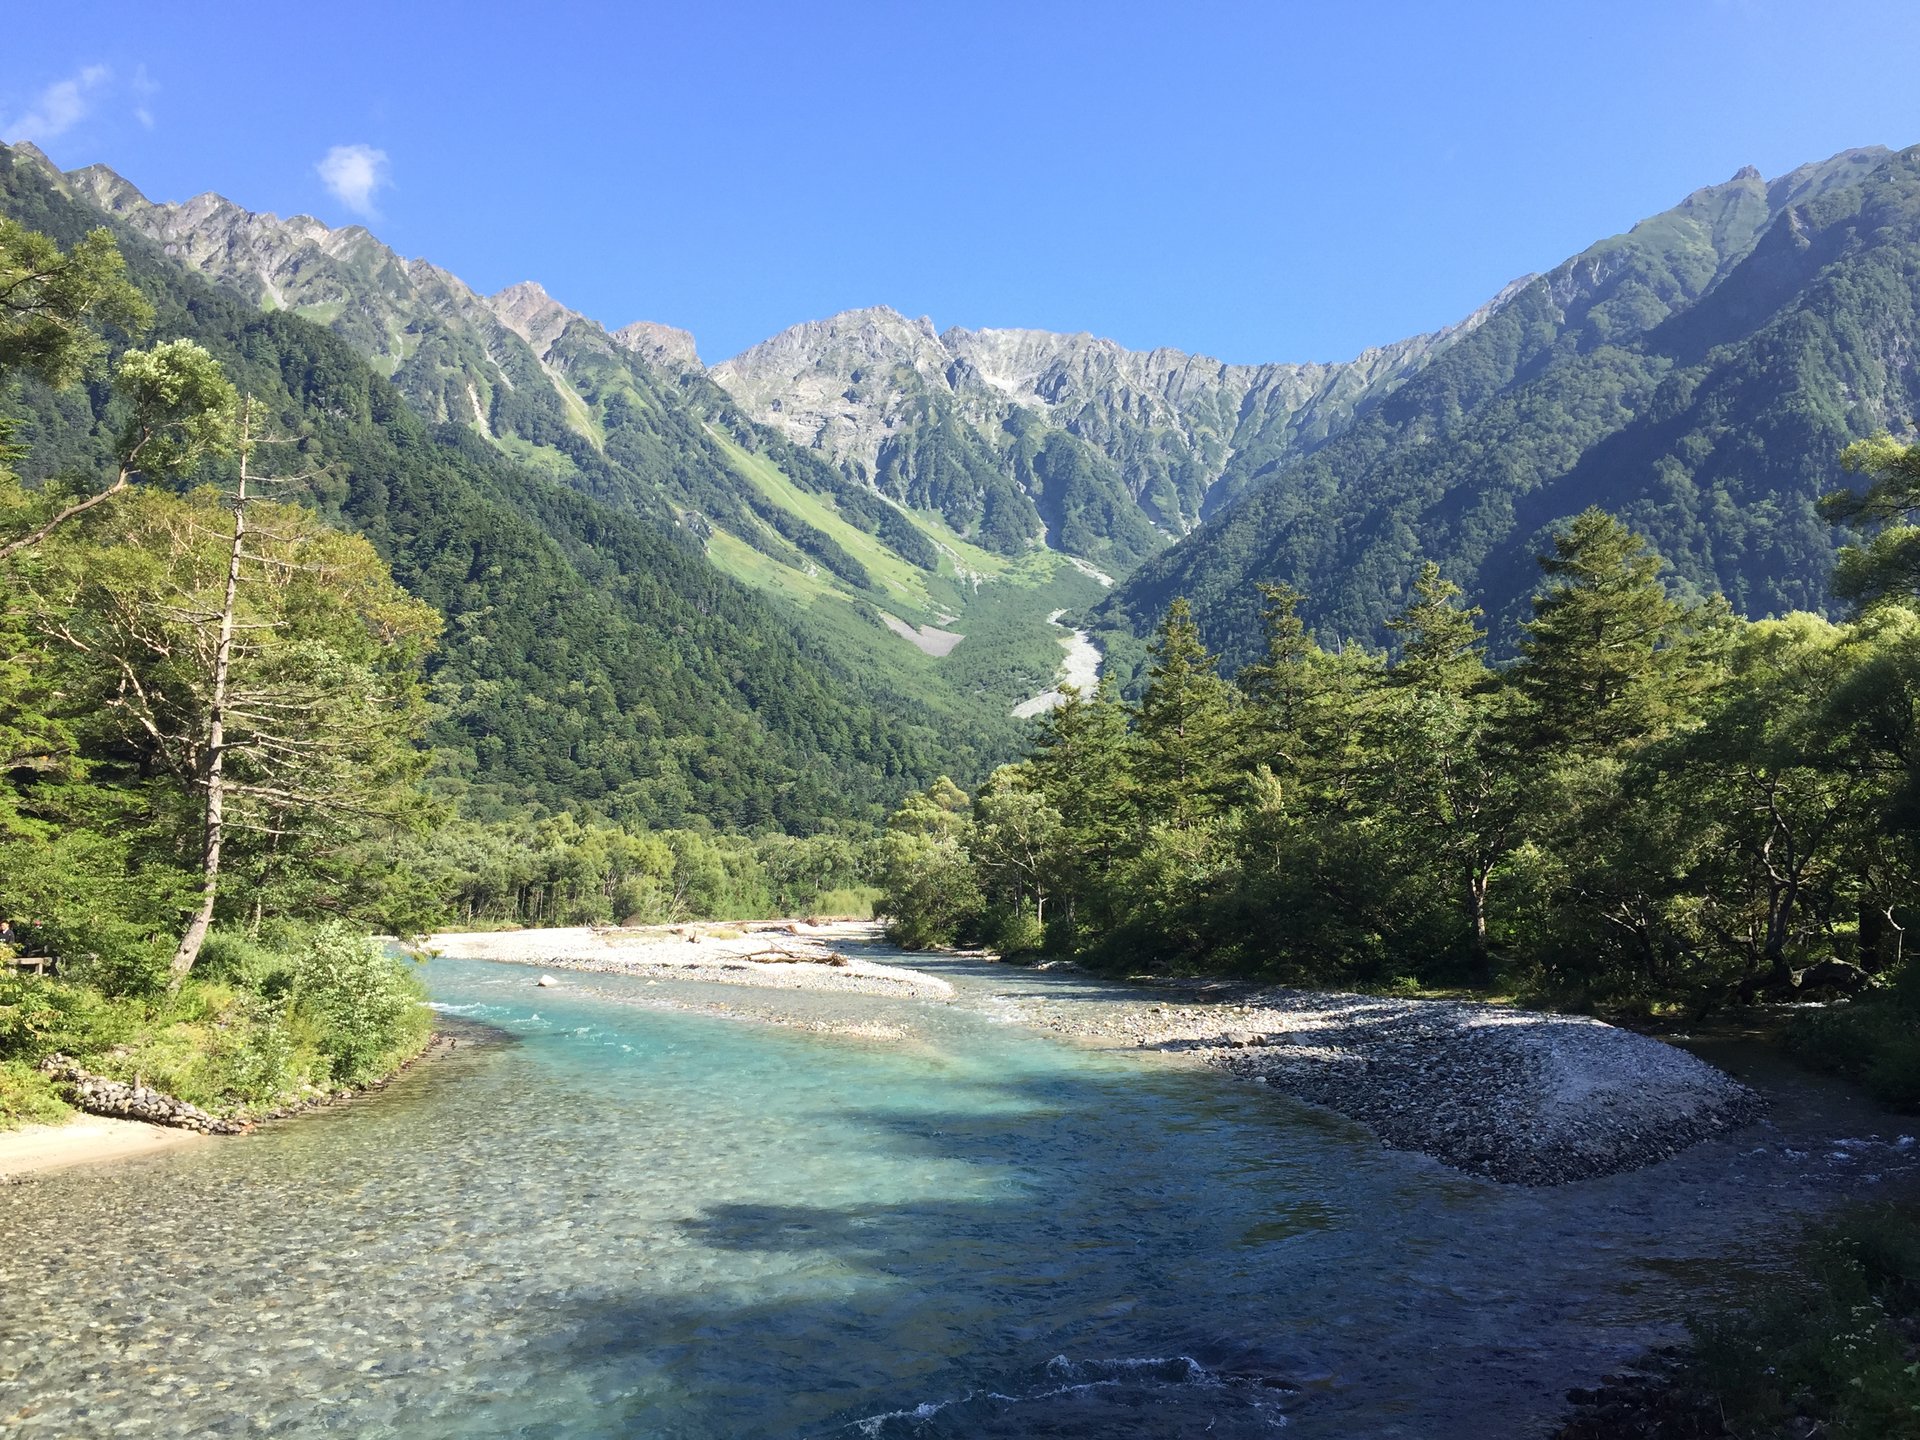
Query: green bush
[[39, 1016], [368, 1010], [258, 1061], [1014, 933], [267, 970], [28, 1097], [1873, 1038], [1829, 1345]]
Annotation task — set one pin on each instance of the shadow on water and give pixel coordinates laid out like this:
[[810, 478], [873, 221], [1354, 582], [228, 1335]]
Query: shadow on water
[[1110, 1296]]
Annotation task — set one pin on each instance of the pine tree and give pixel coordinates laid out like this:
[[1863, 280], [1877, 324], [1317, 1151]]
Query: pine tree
[[1598, 657], [1083, 764], [1187, 723], [1282, 684], [1440, 645]]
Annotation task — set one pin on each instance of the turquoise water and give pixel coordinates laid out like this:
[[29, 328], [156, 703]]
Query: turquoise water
[[629, 1221]]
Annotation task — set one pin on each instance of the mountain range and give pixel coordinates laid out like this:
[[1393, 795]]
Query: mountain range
[[902, 508]]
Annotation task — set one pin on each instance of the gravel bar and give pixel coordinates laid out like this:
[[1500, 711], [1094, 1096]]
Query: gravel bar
[[782, 955], [1515, 1095]]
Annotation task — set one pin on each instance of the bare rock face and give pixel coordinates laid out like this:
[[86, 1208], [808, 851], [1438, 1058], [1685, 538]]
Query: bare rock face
[[661, 345], [532, 314], [849, 385], [845, 384], [890, 398]]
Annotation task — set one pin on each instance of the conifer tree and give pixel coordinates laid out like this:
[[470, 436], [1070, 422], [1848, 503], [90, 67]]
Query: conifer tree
[[1598, 658], [1186, 723], [1283, 683], [1083, 764], [1449, 791], [1440, 645]]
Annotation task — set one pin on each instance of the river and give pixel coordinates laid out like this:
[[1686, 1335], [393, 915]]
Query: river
[[1080, 668], [605, 1218]]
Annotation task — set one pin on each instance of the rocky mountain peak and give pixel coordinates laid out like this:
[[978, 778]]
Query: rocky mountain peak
[[662, 345], [99, 186], [532, 314]]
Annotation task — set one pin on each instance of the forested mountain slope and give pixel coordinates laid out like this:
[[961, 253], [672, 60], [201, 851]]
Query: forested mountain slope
[[1009, 439], [1697, 375], [630, 418], [591, 655]]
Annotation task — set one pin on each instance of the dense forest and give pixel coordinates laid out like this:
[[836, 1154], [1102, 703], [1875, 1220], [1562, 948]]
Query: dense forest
[[231, 735], [1655, 804]]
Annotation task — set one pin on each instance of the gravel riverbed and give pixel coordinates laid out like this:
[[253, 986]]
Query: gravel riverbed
[[1517, 1095], [782, 955]]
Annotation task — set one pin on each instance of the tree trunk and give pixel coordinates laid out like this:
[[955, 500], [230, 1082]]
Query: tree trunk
[[216, 761], [1872, 938], [1477, 927]]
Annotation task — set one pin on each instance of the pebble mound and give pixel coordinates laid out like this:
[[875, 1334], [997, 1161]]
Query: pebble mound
[[1518, 1096]]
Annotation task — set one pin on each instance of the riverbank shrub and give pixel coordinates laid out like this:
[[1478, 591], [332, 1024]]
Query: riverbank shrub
[[263, 1023], [1833, 1345], [27, 1097], [368, 1010], [1873, 1039], [1824, 1347]]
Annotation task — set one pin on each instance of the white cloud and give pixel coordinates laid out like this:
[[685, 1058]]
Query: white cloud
[[143, 90], [353, 173], [58, 108]]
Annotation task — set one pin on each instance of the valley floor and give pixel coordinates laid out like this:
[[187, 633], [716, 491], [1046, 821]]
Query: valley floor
[[1517, 1096]]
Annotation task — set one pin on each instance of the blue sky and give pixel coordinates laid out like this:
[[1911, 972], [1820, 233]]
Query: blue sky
[[1272, 181]]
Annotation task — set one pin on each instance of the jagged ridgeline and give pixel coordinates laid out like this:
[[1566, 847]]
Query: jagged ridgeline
[[592, 654], [881, 488], [841, 456], [1697, 376]]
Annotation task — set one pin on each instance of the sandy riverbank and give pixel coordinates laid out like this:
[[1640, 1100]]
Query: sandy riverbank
[[84, 1140], [787, 955], [89, 1138]]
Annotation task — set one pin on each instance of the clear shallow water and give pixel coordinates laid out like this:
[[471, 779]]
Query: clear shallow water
[[637, 1222]]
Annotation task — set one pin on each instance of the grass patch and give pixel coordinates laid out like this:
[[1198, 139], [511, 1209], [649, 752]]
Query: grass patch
[[905, 582]]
